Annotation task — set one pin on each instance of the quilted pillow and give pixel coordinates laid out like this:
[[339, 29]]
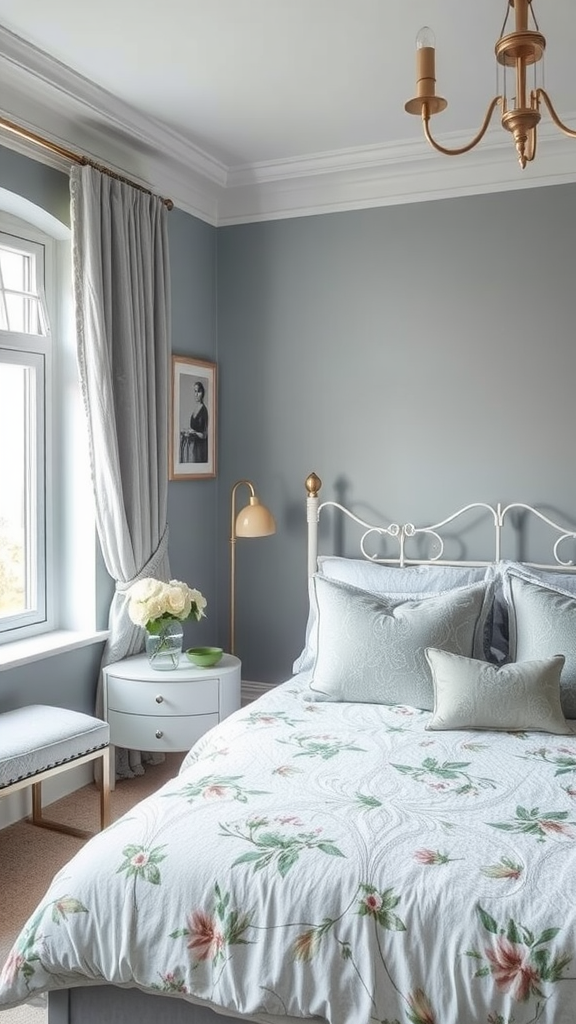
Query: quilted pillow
[[554, 579], [401, 583], [469, 694], [542, 623], [371, 649]]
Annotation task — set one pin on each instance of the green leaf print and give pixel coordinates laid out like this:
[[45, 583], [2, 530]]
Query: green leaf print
[[26, 951], [449, 776], [564, 761], [142, 862], [535, 822], [275, 848], [325, 747], [368, 801], [211, 787]]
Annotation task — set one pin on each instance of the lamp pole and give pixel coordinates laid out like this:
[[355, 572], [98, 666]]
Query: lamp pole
[[254, 520]]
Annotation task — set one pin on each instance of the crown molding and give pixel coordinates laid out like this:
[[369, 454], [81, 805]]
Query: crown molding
[[46, 97]]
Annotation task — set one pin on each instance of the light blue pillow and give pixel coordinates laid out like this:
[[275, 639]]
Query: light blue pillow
[[470, 694], [371, 649], [554, 579], [401, 583], [542, 623]]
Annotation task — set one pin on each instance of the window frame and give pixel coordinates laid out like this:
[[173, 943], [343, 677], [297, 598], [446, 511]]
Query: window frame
[[39, 351]]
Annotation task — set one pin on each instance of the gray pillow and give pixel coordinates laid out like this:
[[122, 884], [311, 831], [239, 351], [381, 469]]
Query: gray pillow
[[542, 623], [470, 694], [555, 579], [402, 583], [371, 649]]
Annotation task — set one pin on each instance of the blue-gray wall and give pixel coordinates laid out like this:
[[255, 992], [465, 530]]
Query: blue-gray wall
[[416, 357]]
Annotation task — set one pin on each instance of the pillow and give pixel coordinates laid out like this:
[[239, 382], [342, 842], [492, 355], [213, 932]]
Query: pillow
[[371, 649], [401, 582], [542, 623], [556, 579], [472, 694]]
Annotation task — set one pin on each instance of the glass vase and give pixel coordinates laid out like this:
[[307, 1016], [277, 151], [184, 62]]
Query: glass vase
[[165, 647]]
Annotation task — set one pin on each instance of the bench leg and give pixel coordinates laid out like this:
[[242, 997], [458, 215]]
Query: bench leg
[[105, 790], [38, 819]]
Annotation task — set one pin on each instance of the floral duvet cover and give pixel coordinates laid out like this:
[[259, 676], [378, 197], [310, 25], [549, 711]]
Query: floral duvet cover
[[336, 861]]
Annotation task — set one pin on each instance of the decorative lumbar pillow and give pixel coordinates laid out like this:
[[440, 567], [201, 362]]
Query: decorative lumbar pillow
[[542, 622], [371, 649], [471, 694]]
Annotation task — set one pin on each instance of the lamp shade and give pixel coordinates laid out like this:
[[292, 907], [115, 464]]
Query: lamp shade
[[255, 520]]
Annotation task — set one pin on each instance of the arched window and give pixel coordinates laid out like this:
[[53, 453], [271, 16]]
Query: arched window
[[46, 506]]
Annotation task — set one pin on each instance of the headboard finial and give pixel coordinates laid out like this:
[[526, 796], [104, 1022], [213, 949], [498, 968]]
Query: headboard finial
[[313, 485]]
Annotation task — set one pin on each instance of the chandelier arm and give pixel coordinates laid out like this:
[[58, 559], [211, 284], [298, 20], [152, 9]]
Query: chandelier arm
[[542, 94], [463, 149]]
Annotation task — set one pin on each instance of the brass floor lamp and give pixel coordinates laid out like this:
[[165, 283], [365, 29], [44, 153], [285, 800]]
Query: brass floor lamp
[[254, 520]]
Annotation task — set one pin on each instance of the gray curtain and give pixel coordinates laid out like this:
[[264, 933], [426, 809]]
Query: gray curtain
[[122, 304]]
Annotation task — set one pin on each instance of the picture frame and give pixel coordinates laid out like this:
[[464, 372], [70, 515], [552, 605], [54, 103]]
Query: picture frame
[[193, 419]]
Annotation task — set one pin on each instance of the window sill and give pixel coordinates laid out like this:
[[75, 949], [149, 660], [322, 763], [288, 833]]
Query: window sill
[[35, 648]]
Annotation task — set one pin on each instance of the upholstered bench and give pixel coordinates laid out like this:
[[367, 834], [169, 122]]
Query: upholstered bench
[[38, 741]]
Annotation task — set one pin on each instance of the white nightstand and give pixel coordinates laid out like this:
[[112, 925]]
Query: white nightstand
[[167, 711]]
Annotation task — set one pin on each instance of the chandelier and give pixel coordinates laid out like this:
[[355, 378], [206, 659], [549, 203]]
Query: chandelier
[[517, 52]]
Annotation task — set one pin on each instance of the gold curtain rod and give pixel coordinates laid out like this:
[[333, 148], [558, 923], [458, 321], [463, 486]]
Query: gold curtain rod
[[76, 158]]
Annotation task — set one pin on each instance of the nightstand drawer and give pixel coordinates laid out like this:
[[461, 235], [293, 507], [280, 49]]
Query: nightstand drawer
[[197, 697], [139, 732]]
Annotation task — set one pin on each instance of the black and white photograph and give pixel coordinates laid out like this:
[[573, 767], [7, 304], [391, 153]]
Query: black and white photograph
[[193, 419]]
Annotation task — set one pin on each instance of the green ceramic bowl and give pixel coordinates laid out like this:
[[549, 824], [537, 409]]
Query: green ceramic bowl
[[204, 657]]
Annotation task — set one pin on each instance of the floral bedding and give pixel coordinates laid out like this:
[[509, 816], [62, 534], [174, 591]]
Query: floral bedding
[[333, 860]]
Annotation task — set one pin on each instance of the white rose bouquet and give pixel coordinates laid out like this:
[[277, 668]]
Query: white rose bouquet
[[152, 603]]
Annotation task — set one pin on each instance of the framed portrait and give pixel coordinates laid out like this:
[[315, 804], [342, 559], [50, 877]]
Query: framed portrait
[[193, 417]]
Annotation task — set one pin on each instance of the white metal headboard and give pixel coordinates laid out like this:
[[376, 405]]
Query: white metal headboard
[[402, 533]]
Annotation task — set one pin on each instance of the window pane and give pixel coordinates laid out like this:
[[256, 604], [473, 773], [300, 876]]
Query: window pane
[[22, 307], [18, 465], [13, 266]]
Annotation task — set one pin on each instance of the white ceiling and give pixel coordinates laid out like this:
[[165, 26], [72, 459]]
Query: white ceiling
[[254, 108]]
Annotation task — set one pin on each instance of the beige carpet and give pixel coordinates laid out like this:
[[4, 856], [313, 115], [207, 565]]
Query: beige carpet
[[30, 857]]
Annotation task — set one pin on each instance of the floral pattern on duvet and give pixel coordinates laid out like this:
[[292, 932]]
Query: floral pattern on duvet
[[331, 860]]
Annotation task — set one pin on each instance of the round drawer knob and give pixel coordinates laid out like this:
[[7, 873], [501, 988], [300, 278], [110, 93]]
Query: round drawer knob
[[159, 734], [159, 699]]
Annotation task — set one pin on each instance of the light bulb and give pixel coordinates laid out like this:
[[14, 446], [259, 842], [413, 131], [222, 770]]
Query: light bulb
[[425, 38]]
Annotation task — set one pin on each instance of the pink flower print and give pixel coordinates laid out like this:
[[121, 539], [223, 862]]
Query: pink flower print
[[571, 790], [425, 856], [373, 902], [554, 827], [305, 945], [205, 938], [512, 970], [421, 1010], [287, 819], [215, 790], [285, 769], [140, 859], [12, 966]]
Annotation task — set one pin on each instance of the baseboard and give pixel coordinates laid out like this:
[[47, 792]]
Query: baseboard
[[251, 690], [19, 805]]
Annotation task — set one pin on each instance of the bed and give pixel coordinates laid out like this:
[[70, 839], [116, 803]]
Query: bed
[[389, 836]]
